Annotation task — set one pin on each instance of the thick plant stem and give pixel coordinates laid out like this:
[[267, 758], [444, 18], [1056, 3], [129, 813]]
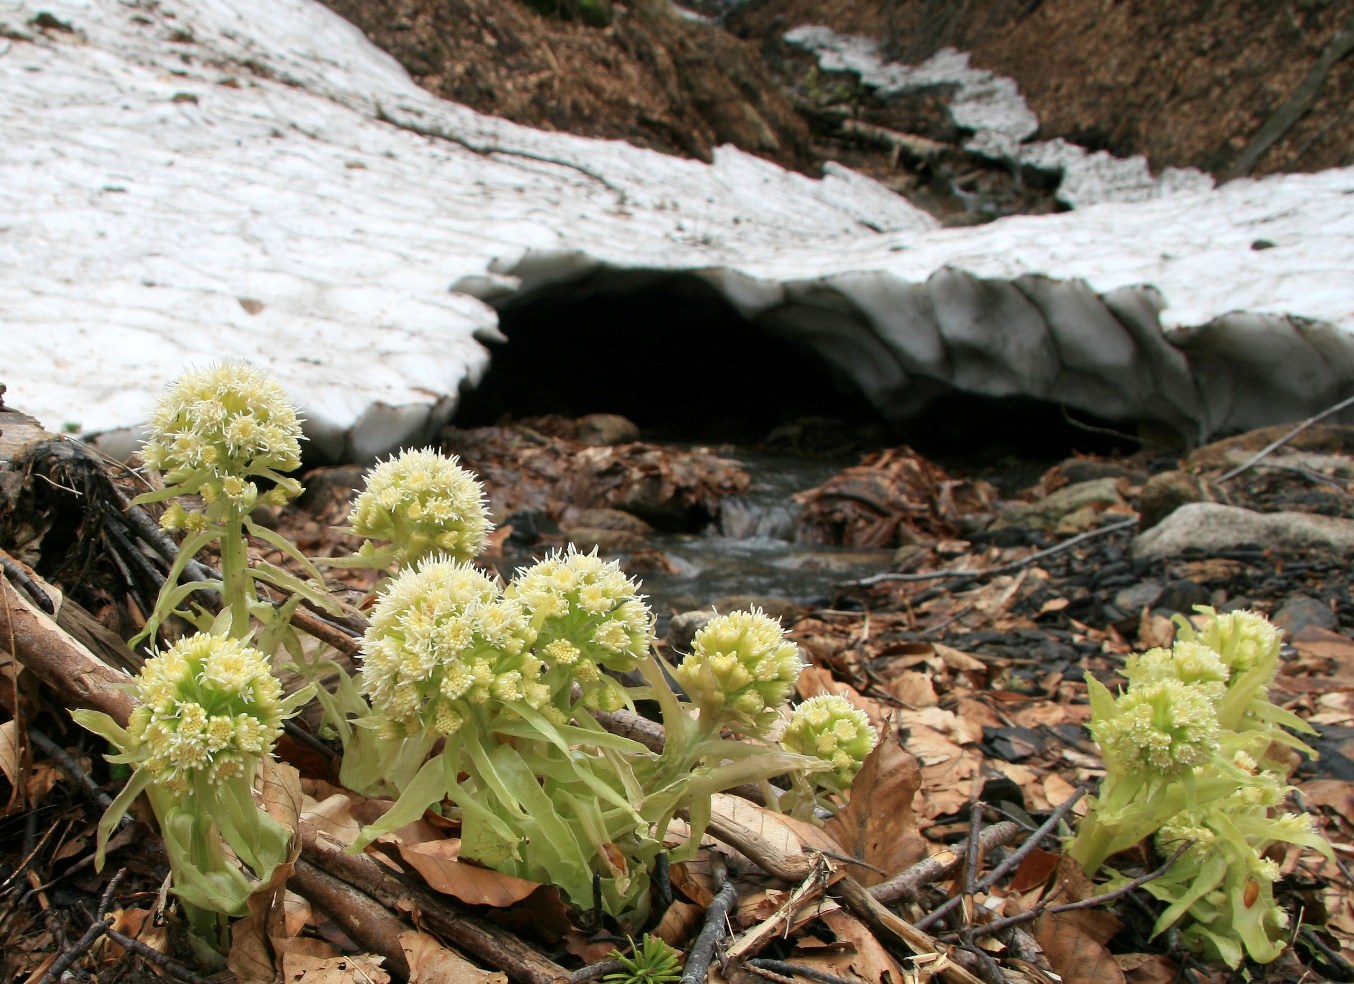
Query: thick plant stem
[[237, 583]]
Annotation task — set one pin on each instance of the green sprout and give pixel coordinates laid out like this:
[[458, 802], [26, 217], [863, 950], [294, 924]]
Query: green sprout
[[1189, 762], [652, 961]]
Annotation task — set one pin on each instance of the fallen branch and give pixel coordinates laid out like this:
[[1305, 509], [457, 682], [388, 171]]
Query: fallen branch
[[487, 943], [1274, 445], [1013, 565]]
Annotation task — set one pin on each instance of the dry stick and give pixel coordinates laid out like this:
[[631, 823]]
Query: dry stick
[[997, 925], [1013, 565], [1332, 955], [72, 769], [903, 887], [488, 943], [370, 924], [888, 925], [81, 946], [702, 951], [1026, 849], [1274, 445], [164, 961], [792, 970], [58, 660]]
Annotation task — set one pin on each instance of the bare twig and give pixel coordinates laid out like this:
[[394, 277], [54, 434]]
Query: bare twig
[[17, 573], [792, 970], [1013, 565], [1274, 445], [903, 887], [997, 925], [889, 926], [993, 876], [164, 961], [715, 928], [78, 949], [72, 768]]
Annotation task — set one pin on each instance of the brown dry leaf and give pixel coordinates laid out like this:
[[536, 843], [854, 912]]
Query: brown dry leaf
[[857, 954], [1317, 643], [878, 826], [1148, 968], [11, 764], [1034, 871], [914, 689], [1337, 795], [432, 963], [1073, 952], [330, 810], [786, 834], [361, 968], [437, 859], [1155, 631], [680, 922]]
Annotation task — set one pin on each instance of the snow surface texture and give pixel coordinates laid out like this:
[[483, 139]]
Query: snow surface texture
[[184, 180]]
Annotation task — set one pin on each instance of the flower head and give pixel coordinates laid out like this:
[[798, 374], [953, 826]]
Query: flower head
[[211, 707], [741, 669], [588, 616], [1243, 640], [217, 427], [1189, 662], [1165, 725], [441, 642], [830, 727], [423, 503]]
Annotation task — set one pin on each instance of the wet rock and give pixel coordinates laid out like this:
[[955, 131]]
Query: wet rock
[[604, 541], [1075, 507], [1077, 470], [1213, 526], [1181, 596], [1302, 611], [1322, 438], [608, 519], [1138, 596], [683, 628], [1166, 492], [606, 428]]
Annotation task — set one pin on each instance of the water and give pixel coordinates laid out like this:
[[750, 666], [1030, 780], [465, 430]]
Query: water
[[751, 549]]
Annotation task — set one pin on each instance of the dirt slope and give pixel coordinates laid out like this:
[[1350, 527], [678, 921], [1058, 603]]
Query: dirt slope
[[1230, 86]]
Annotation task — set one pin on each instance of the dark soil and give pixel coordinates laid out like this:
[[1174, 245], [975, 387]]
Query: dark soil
[[1246, 87]]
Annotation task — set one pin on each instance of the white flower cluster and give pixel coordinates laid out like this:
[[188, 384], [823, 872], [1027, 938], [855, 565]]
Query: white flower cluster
[[216, 428], [441, 641], [588, 616], [210, 707], [423, 503], [741, 669]]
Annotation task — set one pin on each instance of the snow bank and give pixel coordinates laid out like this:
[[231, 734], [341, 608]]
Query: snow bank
[[189, 179]]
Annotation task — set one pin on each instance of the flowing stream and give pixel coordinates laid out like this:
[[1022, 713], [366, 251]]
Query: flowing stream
[[751, 550]]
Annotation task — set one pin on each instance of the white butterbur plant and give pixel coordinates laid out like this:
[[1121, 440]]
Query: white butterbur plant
[[474, 698]]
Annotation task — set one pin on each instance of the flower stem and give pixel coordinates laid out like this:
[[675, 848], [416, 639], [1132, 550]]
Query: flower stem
[[237, 582]]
